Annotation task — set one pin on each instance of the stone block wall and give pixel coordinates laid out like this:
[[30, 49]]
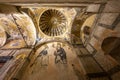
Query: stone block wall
[[108, 25]]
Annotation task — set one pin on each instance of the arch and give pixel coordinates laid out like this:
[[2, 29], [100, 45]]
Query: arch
[[111, 46], [86, 19], [109, 43]]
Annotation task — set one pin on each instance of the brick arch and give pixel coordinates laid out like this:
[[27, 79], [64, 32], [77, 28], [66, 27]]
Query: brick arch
[[111, 46], [108, 43]]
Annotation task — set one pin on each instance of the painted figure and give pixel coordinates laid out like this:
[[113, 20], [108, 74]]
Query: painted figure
[[44, 57], [60, 55]]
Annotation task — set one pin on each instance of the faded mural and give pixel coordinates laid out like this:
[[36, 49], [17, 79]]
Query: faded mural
[[18, 29], [56, 59]]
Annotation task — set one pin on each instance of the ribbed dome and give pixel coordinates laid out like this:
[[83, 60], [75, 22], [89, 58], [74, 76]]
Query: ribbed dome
[[53, 22]]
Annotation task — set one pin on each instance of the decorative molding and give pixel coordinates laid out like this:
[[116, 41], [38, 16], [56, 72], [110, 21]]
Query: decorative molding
[[105, 25]]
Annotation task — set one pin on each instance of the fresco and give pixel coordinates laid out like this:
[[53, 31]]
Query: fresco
[[27, 28], [62, 33], [19, 29], [44, 57], [89, 23], [56, 59], [2, 37], [60, 55]]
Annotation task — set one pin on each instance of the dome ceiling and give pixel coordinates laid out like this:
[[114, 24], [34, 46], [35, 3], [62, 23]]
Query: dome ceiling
[[53, 22]]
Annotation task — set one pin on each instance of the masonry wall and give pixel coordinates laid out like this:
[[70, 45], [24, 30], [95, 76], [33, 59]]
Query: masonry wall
[[106, 25]]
